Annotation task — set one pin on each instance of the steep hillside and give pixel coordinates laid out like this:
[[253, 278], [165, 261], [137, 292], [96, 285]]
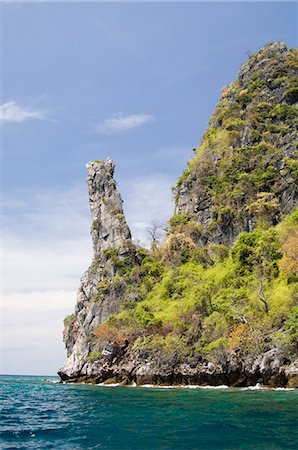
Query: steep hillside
[[217, 301], [245, 170]]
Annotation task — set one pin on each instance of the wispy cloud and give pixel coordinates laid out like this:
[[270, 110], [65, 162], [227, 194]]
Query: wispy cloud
[[12, 112], [118, 122]]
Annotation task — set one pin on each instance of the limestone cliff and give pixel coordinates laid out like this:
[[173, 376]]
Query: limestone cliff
[[113, 253], [217, 301]]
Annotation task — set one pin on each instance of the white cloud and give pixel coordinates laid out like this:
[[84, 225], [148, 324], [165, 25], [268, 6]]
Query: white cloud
[[47, 247], [46, 242], [30, 264], [32, 330], [11, 112], [118, 122]]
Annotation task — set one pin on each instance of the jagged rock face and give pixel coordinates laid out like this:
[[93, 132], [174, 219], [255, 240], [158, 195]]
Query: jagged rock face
[[244, 168], [128, 367], [109, 228], [97, 300]]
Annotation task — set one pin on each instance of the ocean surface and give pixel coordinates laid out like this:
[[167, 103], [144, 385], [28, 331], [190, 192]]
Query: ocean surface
[[43, 414]]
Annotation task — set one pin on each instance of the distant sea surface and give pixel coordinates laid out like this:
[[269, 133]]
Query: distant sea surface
[[42, 414]]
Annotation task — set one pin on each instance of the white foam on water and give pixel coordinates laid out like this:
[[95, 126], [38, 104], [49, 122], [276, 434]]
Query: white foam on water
[[186, 386], [167, 387], [157, 386], [221, 386], [282, 389], [257, 387]]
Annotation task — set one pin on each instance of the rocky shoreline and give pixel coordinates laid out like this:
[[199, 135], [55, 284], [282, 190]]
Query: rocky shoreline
[[269, 370]]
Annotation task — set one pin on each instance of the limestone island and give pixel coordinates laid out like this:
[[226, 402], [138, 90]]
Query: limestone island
[[216, 301]]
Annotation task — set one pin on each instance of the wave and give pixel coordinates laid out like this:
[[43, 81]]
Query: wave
[[221, 386], [156, 386], [257, 387], [260, 387], [282, 389], [186, 386]]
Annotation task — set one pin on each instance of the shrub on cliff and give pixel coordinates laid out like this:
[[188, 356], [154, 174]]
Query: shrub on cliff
[[219, 307]]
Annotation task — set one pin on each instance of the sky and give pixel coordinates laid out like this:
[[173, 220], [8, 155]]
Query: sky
[[83, 81]]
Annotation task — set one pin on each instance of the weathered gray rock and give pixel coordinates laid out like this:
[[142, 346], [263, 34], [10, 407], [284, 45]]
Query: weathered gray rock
[[267, 370], [97, 299], [291, 374], [109, 229]]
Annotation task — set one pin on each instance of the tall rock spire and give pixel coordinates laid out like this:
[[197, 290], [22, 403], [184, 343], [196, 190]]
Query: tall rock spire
[[109, 229], [114, 253]]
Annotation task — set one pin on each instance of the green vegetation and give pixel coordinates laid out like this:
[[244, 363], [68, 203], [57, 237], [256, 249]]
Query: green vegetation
[[178, 219], [111, 253], [193, 296], [93, 356], [103, 285], [68, 320], [241, 164], [242, 299], [122, 266]]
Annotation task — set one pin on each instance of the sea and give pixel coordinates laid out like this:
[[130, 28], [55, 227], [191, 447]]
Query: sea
[[41, 413]]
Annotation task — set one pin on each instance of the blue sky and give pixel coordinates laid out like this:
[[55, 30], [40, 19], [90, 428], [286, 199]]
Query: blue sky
[[83, 81]]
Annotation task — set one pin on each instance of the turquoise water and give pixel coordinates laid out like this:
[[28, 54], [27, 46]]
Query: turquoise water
[[38, 414]]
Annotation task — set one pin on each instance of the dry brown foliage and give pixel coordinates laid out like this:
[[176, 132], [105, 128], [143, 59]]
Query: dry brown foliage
[[289, 261], [108, 333], [174, 245]]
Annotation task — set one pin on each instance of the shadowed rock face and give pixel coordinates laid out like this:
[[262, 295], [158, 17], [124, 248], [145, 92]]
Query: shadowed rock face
[[112, 245]]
